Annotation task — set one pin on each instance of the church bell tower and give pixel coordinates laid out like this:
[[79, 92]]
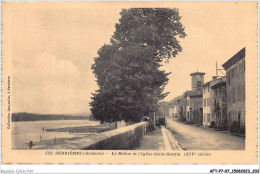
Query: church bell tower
[[197, 80]]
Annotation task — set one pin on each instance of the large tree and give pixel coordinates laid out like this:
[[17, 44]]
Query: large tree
[[128, 71]]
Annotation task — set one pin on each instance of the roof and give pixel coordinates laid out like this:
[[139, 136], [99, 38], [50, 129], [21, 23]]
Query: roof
[[197, 73], [220, 82], [206, 84], [213, 82], [238, 56]]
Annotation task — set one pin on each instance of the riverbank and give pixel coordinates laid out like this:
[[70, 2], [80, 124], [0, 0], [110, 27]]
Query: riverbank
[[77, 132], [25, 131], [126, 138], [85, 129]]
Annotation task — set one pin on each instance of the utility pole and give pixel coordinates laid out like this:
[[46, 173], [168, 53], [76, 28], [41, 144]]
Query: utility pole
[[219, 70], [216, 68]]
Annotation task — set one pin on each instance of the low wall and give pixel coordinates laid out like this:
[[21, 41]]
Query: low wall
[[124, 138]]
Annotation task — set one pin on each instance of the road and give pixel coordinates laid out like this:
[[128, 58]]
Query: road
[[152, 141], [159, 139], [191, 137]]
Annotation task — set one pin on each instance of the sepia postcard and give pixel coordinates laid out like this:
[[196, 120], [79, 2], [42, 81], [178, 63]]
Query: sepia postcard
[[129, 82]]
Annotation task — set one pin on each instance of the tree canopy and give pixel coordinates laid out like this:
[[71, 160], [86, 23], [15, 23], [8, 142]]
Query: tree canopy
[[127, 70]]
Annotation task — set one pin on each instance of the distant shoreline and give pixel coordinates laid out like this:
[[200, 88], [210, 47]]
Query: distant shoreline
[[16, 117]]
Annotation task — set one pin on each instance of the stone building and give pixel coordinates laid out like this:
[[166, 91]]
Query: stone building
[[235, 85], [197, 80], [176, 107], [208, 102], [193, 109], [176, 111], [219, 111], [171, 112], [208, 94], [184, 106], [179, 104]]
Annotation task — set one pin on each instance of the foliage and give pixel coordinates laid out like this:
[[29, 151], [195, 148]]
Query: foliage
[[128, 71]]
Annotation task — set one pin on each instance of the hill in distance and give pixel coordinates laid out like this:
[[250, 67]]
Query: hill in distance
[[24, 116]]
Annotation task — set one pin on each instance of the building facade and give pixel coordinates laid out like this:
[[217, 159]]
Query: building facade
[[219, 110], [197, 80], [184, 106], [171, 112], [235, 85], [176, 111], [193, 109], [209, 116], [207, 108], [176, 107]]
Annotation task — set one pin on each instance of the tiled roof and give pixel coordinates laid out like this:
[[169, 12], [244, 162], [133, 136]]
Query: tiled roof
[[240, 55], [206, 84], [219, 82]]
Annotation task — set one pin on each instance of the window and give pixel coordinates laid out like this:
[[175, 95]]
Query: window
[[204, 102], [198, 83], [208, 88]]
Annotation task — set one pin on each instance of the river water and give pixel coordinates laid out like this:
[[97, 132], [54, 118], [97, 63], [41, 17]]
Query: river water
[[25, 131]]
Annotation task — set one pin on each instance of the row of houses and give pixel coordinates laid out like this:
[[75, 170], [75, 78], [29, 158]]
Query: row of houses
[[219, 103]]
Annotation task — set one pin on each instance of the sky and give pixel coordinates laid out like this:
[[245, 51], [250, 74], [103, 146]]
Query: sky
[[54, 45]]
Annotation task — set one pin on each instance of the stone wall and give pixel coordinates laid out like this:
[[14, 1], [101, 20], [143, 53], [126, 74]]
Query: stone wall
[[123, 138], [236, 94]]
